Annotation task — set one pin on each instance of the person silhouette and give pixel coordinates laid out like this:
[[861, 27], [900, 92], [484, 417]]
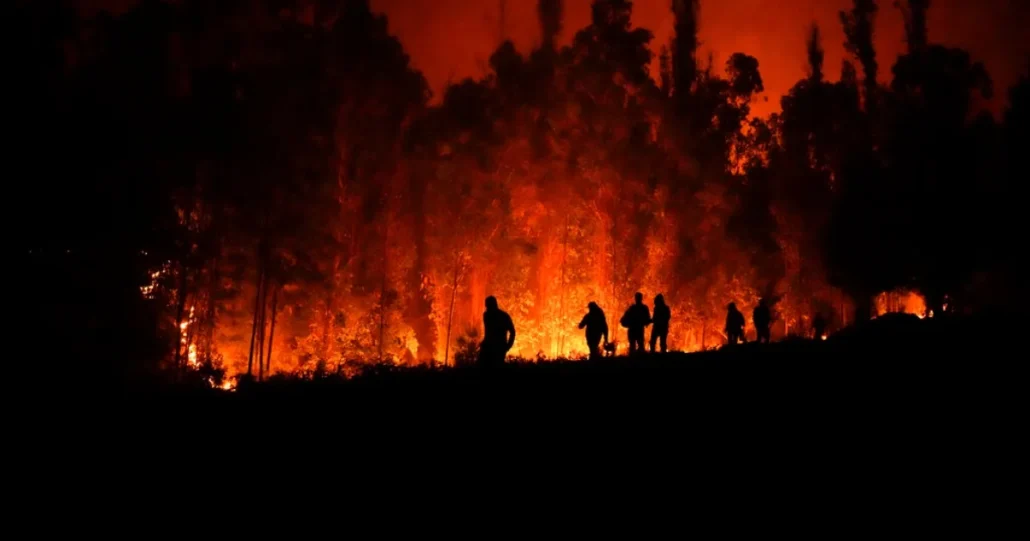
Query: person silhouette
[[662, 315], [596, 326], [762, 318], [635, 319], [734, 324], [819, 326], [498, 335]]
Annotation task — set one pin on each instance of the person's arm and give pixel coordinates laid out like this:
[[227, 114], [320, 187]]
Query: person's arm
[[484, 328], [511, 329], [583, 323], [604, 331]]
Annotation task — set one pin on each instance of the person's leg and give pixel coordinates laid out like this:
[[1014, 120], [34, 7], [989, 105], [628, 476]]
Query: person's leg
[[492, 355], [663, 337], [592, 344], [654, 339]]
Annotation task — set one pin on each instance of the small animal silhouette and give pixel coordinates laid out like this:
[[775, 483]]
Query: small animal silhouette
[[609, 349]]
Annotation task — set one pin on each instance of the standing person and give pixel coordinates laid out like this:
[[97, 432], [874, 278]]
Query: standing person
[[734, 324], [762, 318], [660, 331], [635, 319], [597, 327], [498, 335]]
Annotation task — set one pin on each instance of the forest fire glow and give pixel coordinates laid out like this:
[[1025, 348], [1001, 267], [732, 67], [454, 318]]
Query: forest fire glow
[[597, 205], [902, 301], [363, 222]]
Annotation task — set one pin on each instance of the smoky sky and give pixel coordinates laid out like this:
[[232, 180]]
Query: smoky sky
[[449, 40], [452, 39]]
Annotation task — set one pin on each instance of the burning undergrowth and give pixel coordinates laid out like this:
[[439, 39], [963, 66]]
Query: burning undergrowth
[[328, 216], [567, 176]]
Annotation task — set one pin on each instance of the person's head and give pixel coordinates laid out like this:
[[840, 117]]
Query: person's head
[[639, 297], [593, 307], [761, 303], [491, 303], [659, 299], [732, 306]]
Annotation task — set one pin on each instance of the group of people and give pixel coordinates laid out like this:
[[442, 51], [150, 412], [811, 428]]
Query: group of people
[[499, 329], [636, 319], [735, 323]]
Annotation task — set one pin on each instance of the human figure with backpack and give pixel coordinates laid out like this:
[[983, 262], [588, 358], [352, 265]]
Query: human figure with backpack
[[762, 319], [596, 326], [661, 318], [636, 318], [734, 324], [498, 335]]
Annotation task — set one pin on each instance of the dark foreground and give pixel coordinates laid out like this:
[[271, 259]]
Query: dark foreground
[[903, 421], [889, 370]]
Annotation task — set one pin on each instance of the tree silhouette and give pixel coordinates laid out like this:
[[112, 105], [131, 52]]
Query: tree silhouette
[[265, 184], [815, 54], [931, 151], [858, 30], [550, 14], [914, 14], [685, 48]]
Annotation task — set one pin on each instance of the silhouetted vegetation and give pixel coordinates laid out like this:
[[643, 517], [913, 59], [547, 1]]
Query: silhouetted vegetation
[[262, 187]]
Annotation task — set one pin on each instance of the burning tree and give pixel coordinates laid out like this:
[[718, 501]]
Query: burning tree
[[307, 207]]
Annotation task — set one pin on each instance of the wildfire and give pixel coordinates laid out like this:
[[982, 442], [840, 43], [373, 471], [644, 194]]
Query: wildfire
[[555, 209], [186, 339], [148, 290], [902, 301]]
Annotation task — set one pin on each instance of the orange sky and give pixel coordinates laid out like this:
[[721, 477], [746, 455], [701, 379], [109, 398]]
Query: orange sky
[[452, 39]]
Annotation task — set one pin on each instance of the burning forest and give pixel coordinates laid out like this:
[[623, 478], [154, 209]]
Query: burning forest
[[278, 192]]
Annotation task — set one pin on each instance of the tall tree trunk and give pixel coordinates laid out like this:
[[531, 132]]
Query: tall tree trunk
[[262, 310], [271, 331], [615, 247], [561, 291], [254, 325], [450, 313], [382, 286], [190, 334], [180, 308], [209, 312], [327, 327]]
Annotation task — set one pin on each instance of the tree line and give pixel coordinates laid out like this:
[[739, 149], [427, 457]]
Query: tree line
[[251, 184]]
